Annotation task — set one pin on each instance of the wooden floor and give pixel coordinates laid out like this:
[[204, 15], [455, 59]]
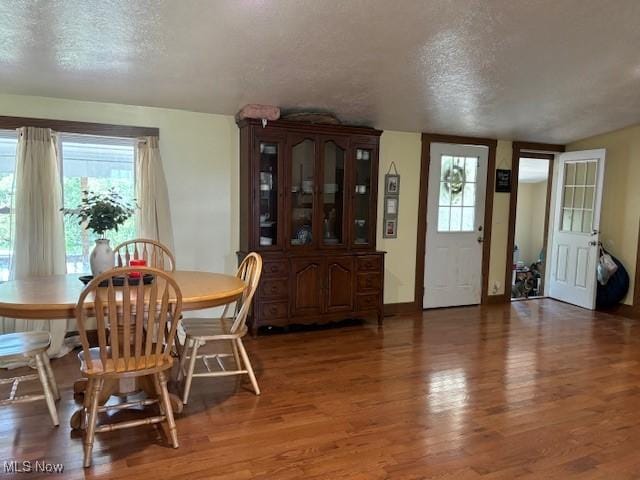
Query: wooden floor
[[535, 390]]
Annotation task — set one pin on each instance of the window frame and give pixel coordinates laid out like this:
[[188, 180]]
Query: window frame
[[61, 137]]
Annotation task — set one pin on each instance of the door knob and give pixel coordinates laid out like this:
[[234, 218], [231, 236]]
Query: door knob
[[480, 239], [593, 243]]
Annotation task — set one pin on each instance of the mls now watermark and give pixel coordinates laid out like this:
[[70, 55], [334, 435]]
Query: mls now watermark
[[37, 466]]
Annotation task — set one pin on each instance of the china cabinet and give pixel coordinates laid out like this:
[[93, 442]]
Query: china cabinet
[[308, 199]]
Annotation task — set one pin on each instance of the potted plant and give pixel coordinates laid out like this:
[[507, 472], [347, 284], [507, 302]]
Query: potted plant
[[101, 213]]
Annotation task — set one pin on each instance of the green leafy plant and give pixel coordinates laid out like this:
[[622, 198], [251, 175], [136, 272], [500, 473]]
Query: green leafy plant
[[101, 212]]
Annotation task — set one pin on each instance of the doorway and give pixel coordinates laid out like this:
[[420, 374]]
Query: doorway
[[531, 227], [455, 225]]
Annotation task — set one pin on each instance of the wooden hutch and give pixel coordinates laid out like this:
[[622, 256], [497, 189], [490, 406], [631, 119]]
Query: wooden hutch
[[308, 203]]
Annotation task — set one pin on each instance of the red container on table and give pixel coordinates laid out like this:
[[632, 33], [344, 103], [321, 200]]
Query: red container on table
[[137, 263]]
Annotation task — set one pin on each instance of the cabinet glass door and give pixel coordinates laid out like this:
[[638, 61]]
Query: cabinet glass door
[[303, 188], [362, 197], [332, 201], [268, 188]]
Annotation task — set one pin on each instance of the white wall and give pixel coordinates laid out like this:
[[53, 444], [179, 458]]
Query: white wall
[[200, 159]]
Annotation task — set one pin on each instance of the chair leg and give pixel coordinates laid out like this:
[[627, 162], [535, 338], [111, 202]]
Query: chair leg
[[192, 366], [183, 357], [48, 395], [168, 411], [248, 366], [90, 432], [158, 387], [50, 376], [178, 348], [236, 356], [86, 403]]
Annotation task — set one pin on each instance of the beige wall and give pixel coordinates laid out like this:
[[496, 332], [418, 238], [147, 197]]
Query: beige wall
[[400, 272], [200, 158], [529, 233], [499, 225], [621, 195]]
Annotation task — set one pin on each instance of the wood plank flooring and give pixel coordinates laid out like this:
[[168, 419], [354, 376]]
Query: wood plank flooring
[[536, 390]]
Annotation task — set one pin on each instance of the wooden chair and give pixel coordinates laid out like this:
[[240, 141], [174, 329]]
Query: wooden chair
[[136, 325], [27, 345], [199, 331], [155, 253]]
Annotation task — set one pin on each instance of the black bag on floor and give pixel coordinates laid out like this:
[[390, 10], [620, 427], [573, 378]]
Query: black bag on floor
[[616, 288]]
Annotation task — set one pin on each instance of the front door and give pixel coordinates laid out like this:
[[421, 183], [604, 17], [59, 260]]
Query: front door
[[574, 251], [455, 225]]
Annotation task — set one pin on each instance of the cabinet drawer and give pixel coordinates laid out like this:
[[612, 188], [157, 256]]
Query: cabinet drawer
[[367, 302], [275, 269], [274, 288], [369, 263], [369, 282], [272, 311]]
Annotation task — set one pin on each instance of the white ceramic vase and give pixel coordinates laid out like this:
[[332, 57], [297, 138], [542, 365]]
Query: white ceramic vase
[[102, 257]]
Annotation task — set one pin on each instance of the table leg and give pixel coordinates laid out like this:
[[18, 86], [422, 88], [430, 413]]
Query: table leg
[[80, 386], [147, 385]]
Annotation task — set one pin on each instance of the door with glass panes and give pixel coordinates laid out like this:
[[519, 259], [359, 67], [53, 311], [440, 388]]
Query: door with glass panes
[[455, 225], [576, 230]]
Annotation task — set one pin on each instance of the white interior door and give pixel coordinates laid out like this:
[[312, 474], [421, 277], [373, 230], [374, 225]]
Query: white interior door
[[455, 225], [574, 246]]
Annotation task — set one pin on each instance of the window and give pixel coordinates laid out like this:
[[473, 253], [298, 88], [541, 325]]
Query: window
[[578, 196], [97, 164], [87, 163], [457, 194], [8, 145]]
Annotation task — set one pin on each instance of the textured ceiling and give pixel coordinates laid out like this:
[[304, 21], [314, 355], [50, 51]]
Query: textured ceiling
[[538, 70]]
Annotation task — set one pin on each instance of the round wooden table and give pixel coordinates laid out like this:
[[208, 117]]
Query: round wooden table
[[55, 297]]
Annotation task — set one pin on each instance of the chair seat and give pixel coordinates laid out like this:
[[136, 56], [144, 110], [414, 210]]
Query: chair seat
[[144, 364], [23, 344], [211, 328]]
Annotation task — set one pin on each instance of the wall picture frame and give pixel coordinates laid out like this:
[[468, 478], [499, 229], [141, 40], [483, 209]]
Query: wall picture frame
[[391, 205], [503, 181], [392, 184], [391, 228]]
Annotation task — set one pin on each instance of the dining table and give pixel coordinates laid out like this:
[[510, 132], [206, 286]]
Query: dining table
[[54, 298]]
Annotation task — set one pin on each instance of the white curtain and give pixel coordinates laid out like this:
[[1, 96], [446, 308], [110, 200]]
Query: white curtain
[[154, 218], [38, 243]]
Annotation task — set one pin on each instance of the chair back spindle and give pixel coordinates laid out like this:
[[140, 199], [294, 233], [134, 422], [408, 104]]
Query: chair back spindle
[[136, 323], [249, 272], [154, 253]]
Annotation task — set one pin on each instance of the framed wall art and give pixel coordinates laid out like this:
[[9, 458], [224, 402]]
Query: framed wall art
[[391, 202], [391, 228]]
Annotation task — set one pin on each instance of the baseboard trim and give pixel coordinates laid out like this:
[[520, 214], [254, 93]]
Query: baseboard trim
[[400, 308]]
